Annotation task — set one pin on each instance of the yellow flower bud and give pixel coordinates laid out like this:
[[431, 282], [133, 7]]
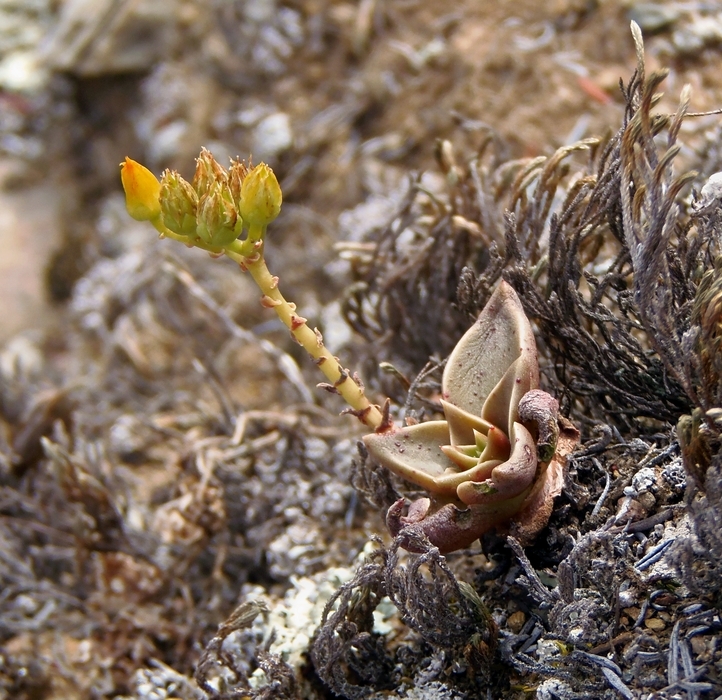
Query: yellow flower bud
[[260, 197], [217, 218], [179, 204], [142, 191], [208, 171]]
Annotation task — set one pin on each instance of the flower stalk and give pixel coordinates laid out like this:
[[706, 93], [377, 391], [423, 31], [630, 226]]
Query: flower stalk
[[211, 213], [340, 381]]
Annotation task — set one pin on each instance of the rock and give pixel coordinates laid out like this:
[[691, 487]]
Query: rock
[[98, 37], [272, 136], [30, 231]]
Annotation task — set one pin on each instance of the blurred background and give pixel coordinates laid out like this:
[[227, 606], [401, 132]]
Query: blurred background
[[343, 99]]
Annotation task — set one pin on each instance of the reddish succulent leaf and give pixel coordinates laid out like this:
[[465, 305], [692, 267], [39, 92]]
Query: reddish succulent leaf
[[497, 447], [450, 527], [508, 479], [537, 507]]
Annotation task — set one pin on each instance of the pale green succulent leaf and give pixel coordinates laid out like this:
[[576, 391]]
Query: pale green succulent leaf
[[480, 440], [414, 453], [485, 352], [462, 424], [449, 482], [459, 456], [502, 404]]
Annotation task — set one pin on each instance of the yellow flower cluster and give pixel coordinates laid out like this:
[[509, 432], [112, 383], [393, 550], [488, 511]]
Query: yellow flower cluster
[[213, 209]]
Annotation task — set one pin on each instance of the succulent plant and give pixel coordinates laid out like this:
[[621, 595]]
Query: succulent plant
[[495, 456]]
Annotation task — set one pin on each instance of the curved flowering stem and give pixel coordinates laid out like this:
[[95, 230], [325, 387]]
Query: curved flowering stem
[[211, 213], [340, 381]]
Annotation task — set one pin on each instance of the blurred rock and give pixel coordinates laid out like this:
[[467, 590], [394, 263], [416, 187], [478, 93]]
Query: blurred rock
[[178, 101], [22, 27], [698, 34], [98, 37], [30, 227], [654, 17], [272, 136]]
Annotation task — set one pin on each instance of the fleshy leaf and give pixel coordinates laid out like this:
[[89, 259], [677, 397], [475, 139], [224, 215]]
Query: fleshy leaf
[[541, 411], [449, 482], [481, 466], [501, 407], [510, 478], [537, 507], [451, 528], [497, 447], [414, 452], [462, 424], [481, 358], [460, 457]]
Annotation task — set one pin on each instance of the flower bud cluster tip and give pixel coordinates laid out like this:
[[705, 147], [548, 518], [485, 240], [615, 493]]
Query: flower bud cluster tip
[[213, 209]]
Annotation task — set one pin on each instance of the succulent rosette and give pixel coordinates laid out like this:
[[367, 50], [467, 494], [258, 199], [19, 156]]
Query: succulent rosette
[[490, 459]]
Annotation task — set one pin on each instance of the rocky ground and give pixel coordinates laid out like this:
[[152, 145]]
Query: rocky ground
[[178, 502]]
